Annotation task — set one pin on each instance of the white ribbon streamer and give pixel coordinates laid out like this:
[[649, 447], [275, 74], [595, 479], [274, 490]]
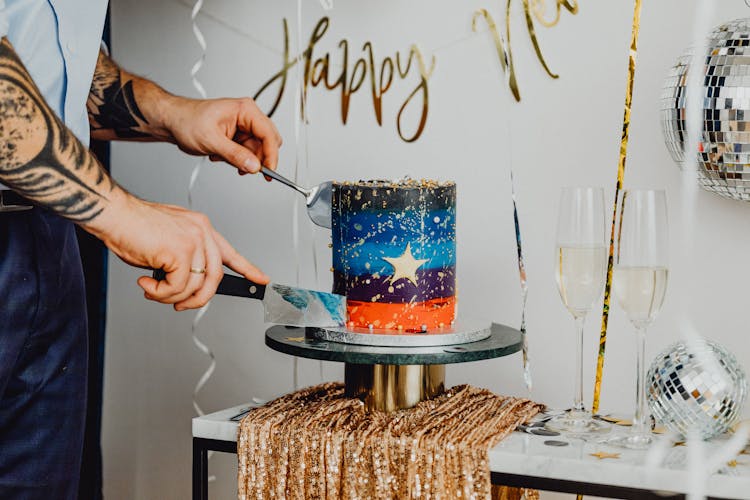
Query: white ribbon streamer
[[700, 465], [191, 186], [202, 42], [302, 156], [299, 111], [205, 350], [517, 225]]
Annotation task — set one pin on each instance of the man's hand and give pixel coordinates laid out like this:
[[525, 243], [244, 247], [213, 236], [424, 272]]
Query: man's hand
[[42, 160], [233, 130], [151, 235], [125, 106]]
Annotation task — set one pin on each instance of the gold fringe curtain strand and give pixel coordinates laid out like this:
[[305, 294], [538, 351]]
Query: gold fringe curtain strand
[[318, 443], [618, 188]]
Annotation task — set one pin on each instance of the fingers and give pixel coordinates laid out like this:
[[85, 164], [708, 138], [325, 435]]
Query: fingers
[[195, 246], [256, 147], [182, 280], [240, 157], [252, 120], [255, 140], [161, 291], [233, 260], [213, 276]]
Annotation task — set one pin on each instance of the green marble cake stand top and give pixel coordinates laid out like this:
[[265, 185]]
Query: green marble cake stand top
[[503, 341]]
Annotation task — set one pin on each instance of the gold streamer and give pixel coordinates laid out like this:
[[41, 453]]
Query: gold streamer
[[618, 188], [505, 56], [535, 41], [539, 8], [534, 10], [318, 443]]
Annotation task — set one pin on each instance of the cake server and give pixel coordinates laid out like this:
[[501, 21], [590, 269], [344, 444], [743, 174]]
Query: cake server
[[283, 304], [318, 198]]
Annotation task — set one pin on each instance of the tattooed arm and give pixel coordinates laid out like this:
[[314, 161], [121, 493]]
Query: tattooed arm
[[41, 159], [123, 106]]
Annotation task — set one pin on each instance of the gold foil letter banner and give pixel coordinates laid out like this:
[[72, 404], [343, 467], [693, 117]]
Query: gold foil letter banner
[[618, 187], [536, 9], [379, 74], [318, 443]]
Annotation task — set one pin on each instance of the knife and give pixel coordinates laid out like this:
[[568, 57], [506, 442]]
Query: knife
[[283, 304]]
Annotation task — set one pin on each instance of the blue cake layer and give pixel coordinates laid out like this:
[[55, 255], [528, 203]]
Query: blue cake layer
[[394, 244]]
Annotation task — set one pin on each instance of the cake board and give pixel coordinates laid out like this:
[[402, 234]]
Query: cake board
[[460, 332], [392, 378]]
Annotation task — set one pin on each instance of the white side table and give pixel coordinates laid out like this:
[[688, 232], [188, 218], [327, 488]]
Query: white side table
[[524, 460]]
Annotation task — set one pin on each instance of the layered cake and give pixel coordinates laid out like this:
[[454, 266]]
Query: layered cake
[[394, 253]]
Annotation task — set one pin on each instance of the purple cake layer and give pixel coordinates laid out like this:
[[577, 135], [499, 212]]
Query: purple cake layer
[[431, 284]]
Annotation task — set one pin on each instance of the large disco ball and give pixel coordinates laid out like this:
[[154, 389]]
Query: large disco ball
[[698, 385], [724, 150]]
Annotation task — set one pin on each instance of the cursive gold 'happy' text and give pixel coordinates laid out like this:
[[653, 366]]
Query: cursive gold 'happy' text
[[367, 71]]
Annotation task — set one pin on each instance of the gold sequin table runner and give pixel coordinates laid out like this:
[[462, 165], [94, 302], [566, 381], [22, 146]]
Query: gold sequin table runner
[[318, 443]]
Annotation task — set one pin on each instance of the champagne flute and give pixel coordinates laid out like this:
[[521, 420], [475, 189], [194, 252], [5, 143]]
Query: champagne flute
[[639, 282], [580, 270]]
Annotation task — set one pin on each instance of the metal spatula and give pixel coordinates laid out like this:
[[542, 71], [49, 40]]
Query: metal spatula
[[318, 198]]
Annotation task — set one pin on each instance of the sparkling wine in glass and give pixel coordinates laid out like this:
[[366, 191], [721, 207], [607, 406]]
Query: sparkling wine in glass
[[640, 282], [580, 271]]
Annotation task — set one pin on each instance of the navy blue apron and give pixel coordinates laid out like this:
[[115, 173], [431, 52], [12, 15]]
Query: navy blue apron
[[43, 356]]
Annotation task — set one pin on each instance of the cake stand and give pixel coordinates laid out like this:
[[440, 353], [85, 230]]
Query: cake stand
[[393, 378]]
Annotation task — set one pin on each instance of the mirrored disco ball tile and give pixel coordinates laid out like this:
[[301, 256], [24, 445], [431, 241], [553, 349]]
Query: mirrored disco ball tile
[[726, 104], [700, 386]]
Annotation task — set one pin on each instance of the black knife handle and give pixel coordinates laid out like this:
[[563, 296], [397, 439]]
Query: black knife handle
[[236, 286]]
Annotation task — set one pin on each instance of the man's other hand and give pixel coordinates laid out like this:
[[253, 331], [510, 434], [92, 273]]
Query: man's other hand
[[231, 130], [156, 236]]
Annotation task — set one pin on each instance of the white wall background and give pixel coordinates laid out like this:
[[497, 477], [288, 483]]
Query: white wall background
[[564, 132]]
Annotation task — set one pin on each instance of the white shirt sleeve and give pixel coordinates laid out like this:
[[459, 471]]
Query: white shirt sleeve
[[4, 26]]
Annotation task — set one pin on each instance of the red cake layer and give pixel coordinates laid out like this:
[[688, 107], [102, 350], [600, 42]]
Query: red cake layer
[[414, 317]]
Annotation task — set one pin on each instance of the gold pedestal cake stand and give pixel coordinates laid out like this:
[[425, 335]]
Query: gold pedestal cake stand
[[388, 377]]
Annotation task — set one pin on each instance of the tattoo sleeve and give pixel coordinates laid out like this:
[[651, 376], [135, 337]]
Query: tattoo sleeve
[[113, 108], [40, 158]]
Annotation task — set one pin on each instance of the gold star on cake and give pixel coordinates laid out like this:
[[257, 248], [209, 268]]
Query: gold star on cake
[[405, 266]]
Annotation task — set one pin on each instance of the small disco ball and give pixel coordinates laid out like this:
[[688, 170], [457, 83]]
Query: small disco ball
[[723, 153], [697, 385]]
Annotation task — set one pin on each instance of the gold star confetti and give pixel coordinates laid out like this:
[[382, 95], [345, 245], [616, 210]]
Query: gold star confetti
[[405, 266], [679, 443], [732, 463], [295, 339], [746, 451], [603, 454]]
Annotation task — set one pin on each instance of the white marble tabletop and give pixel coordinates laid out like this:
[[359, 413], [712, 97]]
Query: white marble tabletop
[[526, 455]]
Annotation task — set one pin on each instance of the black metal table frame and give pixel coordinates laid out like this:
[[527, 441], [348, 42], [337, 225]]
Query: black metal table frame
[[201, 447]]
